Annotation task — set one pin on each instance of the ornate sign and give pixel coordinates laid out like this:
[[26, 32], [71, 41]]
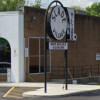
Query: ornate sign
[[58, 22], [56, 25]]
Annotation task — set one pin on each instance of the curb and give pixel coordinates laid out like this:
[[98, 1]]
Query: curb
[[62, 95]]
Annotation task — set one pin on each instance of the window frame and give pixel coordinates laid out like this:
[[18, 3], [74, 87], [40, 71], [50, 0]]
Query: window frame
[[39, 38]]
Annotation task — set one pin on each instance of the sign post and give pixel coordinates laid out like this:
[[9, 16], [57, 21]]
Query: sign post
[[56, 27], [66, 61]]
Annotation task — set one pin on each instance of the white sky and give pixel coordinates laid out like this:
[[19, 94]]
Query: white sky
[[68, 3]]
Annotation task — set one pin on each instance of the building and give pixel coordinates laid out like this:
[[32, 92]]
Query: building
[[12, 46], [24, 32]]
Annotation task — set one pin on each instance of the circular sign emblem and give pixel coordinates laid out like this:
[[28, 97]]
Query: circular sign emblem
[[58, 22]]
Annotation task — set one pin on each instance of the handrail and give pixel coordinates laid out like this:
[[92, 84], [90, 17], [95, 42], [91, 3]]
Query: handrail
[[5, 63]]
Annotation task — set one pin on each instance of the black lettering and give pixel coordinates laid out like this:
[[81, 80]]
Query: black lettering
[[62, 14], [54, 30], [63, 32], [56, 34], [64, 19], [59, 35], [53, 17], [59, 10], [55, 14]]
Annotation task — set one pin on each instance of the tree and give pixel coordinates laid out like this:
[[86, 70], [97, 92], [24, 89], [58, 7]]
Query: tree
[[77, 8], [94, 9], [11, 5], [37, 4]]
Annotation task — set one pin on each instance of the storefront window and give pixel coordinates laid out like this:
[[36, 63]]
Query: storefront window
[[36, 56]]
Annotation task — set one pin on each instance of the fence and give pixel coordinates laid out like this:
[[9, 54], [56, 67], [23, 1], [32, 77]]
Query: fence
[[3, 70], [83, 71]]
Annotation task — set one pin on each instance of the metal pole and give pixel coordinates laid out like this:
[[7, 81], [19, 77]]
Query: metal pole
[[98, 69], [45, 53], [45, 67], [66, 74], [82, 71], [66, 65], [91, 70]]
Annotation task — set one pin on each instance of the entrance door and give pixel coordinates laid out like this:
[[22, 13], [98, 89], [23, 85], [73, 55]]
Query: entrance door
[[5, 58]]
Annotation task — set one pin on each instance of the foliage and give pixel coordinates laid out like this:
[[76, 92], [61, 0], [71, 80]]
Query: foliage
[[37, 4], [11, 5], [94, 9], [77, 8]]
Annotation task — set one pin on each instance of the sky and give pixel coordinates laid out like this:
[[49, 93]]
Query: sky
[[69, 3]]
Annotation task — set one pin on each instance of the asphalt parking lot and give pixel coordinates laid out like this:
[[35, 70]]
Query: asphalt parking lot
[[13, 93], [16, 94], [3, 90]]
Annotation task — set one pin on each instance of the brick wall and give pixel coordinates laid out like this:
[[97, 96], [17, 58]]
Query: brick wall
[[82, 52], [3, 78], [33, 28]]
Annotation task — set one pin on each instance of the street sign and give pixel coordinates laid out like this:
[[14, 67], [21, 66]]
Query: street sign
[[58, 45]]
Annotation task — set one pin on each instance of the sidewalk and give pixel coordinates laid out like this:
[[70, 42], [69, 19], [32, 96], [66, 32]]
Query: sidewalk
[[53, 89], [57, 90]]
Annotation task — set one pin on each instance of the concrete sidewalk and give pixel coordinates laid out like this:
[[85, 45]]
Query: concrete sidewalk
[[57, 90], [53, 89]]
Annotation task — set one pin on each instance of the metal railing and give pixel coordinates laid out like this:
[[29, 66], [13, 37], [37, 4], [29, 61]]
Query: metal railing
[[83, 71], [5, 63], [4, 66], [3, 70]]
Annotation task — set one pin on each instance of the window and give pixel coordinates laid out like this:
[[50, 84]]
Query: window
[[36, 55], [5, 55]]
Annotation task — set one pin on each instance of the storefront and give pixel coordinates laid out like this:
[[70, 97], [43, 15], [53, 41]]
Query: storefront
[[24, 34]]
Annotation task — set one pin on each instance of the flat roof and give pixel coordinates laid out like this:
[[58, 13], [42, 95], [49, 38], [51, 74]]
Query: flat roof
[[11, 13]]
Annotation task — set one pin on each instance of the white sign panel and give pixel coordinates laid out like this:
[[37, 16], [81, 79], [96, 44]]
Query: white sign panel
[[73, 36], [58, 22], [71, 19], [58, 46], [97, 56]]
